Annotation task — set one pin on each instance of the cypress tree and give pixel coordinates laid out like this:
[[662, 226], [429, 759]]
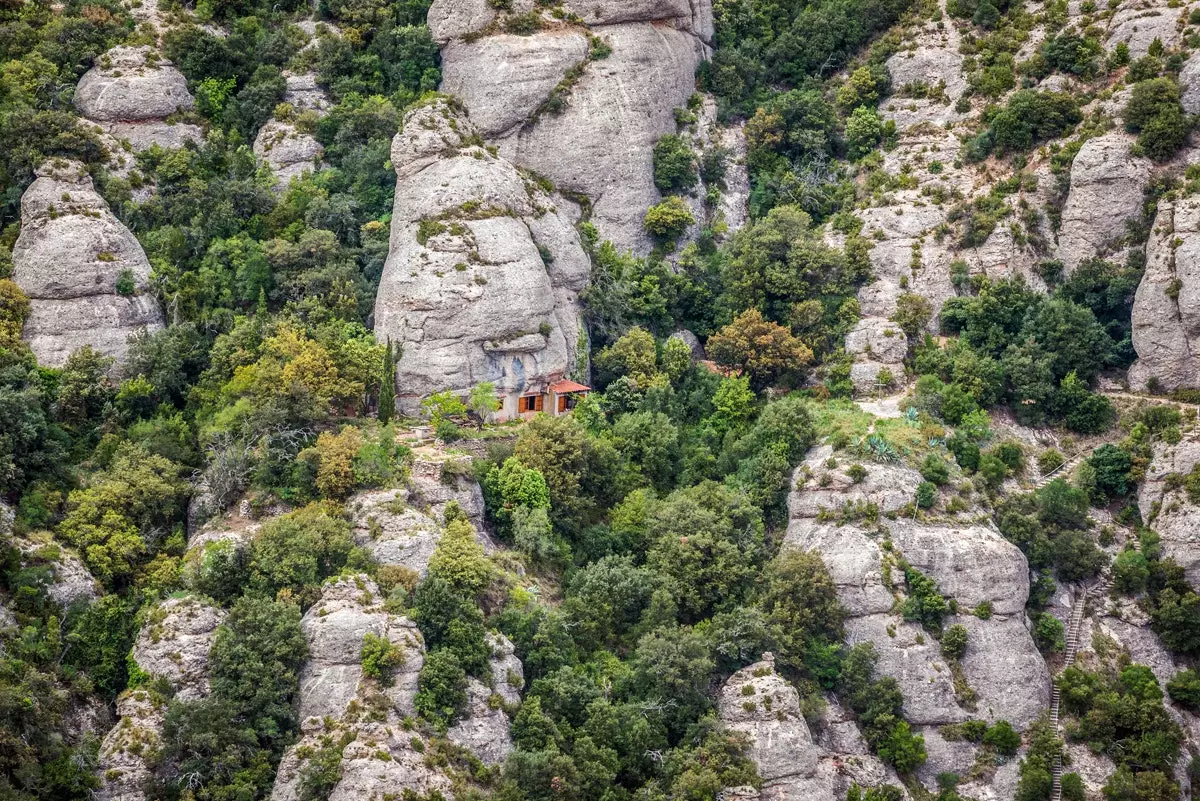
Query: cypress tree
[[387, 386]]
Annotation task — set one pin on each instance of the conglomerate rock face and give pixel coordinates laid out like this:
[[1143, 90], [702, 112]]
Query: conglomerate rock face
[[131, 92], [173, 644], [1166, 308], [1165, 504], [484, 267], [970, 562], [339, 705], [86, 276], [557, 102], [793, 765], [286, 142]]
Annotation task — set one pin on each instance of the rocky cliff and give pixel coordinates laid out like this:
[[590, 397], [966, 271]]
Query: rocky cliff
[[580, 99], [87, 277], [173, 644], [484, 266]]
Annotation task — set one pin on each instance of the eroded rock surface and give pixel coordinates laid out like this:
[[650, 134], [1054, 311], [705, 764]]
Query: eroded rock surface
[[69, 580], [86, 276], [597, 136], [285, 142], [1169, 511], [173, 644], [131, 92], [1107, 183], [970, 562], [340, 705], [484, 267], [761, 704], [1166, 308]]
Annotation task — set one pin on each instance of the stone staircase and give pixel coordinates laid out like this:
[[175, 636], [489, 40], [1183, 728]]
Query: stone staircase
[[1074, 635]]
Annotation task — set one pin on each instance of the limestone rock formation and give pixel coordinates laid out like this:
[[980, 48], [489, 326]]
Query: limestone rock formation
[[558, 105], [1168, 510], [339, 703], [174, 644], [508, 674], [85, 274], [970, 562], [69, 579], [1189, 82], [1107, 182], [334, 628], [484, 268], [130, 93], [762, 705], [1166, 308], [1138, 26]]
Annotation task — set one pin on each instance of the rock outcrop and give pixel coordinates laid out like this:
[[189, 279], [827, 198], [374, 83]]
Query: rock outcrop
[[86, 276], [341, 707], [484, 267], [68, 580], [763, 706], [876, 345], [970, 562], [1107, 182], [286, 142], [173, 644], [582, 104], [1167, 508], [1166, 308], [131, 92], [484, 728]]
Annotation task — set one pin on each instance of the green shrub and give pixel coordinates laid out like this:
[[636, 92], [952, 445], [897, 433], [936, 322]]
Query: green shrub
[[1155, 113], [669, 220], [674, 164], [954, 641], [1003, 737], [926, 494], [380, 658]]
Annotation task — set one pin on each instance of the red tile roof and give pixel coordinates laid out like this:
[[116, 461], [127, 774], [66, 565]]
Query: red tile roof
[[563, 387]]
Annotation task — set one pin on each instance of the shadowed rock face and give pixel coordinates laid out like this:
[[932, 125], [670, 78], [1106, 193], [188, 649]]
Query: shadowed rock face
[[85, 274], [600, 143], [484, 266]]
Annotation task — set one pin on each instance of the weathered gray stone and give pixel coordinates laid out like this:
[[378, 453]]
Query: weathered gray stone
[[1107, 182], [504, 79], [465, 275], [483, 729], [288, 151], [132, 83], [349, 609], [175, 641], [127, 753], [1139, 27], [1166, 308], [1189, 81], [1170, 512], [130, 93], [68, 260], [70, 580], [508, 674]]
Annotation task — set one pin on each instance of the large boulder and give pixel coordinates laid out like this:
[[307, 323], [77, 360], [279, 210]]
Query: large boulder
[[1107, 182], [131, 92], [484, 267], [1166, 308], [596, 137], [483, 729], [86, 276], [285, 142]]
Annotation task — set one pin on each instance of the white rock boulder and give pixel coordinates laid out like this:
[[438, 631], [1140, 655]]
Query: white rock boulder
[[86, 276]]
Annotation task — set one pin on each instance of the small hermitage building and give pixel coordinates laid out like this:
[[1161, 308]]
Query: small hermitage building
[[556, 398]]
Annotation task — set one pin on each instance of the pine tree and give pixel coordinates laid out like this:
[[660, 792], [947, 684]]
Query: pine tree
[[387, 386]]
